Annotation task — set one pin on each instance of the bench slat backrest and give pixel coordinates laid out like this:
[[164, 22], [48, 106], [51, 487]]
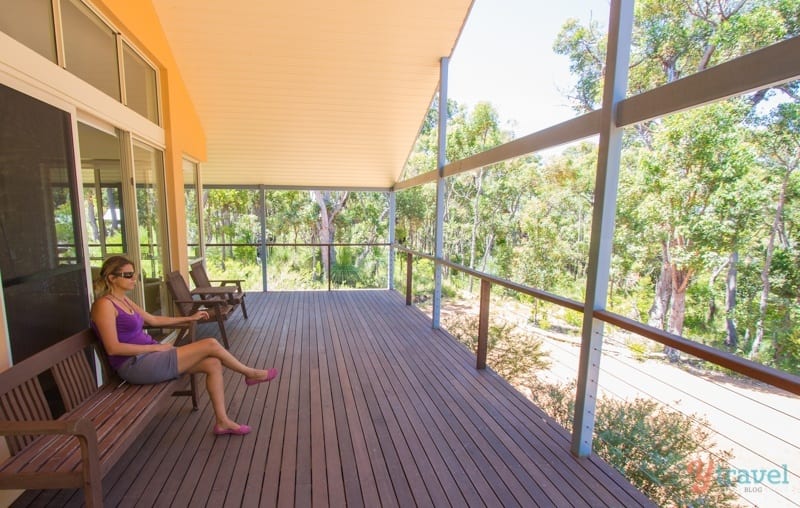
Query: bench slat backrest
[[24, 402], [21, 395], [74, 379]]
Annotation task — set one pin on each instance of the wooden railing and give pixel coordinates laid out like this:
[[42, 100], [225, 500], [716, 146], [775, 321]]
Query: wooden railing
[[748, 368], [327, 246]]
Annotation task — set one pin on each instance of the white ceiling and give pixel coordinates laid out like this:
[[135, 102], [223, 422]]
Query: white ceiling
[[310, 93]]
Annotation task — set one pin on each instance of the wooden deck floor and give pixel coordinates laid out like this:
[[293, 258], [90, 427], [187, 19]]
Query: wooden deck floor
[[372, 408]]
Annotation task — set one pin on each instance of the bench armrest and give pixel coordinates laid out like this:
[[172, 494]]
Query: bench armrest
[[203, 303], [185, 331], [86, 434]]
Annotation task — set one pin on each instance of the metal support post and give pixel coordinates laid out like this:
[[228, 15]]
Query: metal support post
[[392, 223], [619, 38], [441, 161]]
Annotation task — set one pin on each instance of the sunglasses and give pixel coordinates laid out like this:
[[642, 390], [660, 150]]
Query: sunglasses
[[127, 275]]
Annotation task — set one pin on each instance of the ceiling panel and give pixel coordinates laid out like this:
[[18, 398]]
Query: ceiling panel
[[310, 93]]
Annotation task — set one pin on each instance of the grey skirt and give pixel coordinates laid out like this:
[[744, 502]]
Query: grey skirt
[[150, 368]]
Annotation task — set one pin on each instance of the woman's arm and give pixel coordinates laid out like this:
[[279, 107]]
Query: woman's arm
[[152, 320], [104, 316]]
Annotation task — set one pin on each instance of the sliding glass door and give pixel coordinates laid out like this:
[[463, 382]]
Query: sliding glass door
[[41, 249]]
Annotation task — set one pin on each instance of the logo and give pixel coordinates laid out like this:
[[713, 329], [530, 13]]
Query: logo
[[703, 474]]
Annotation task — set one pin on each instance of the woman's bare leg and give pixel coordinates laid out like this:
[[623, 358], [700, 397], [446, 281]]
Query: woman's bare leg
[[192, 354], [212, 368]]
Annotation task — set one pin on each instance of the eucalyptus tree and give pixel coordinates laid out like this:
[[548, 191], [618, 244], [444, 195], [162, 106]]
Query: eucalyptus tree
[[671, 40], [780, 139], [329, 205], [231, 215], [472, 131], [693, 204]]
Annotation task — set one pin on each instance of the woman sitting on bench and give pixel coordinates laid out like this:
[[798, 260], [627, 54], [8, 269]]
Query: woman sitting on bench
[[139, 359]]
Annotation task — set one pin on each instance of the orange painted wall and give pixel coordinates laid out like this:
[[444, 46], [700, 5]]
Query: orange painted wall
[[184, 132]]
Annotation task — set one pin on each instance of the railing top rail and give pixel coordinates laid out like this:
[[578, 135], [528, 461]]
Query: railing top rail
[[515, 286], [301, 244], [749, 368]]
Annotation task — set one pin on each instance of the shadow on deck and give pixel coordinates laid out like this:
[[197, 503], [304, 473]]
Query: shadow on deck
[[372, 408]]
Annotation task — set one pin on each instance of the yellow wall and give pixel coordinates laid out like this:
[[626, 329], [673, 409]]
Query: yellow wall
[[184, 133]]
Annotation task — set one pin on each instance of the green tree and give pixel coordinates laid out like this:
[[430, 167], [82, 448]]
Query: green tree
[[700, 228], [780, 139]]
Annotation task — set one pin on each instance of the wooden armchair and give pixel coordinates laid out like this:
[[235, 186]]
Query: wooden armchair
[[230, 289], [218, 310]]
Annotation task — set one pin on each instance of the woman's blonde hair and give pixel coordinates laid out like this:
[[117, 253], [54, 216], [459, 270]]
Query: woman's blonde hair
[[111, 266]]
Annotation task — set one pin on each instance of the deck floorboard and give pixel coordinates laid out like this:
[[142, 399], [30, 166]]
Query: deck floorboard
[[372, 407]]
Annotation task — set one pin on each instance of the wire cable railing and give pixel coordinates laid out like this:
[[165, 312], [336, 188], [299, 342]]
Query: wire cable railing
[[713, 406]]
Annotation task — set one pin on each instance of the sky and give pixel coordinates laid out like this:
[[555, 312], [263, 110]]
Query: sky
[[505, 56]]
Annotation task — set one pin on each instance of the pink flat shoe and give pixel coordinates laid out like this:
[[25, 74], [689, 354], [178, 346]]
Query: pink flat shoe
[[271, 374], [241, 431]]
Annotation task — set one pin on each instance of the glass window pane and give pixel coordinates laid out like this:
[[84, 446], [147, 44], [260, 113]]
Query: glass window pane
[[31, 23], [149, 175], [140, 85], [707, 226], [90, 47], [511, 55], [102, 192], [192, 215]]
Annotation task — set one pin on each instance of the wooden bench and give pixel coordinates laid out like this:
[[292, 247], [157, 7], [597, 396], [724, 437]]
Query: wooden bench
[[78, 448]]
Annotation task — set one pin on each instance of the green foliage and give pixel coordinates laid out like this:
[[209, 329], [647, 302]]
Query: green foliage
[[510, 352], [639, 350], [657, 448], [654, 446]]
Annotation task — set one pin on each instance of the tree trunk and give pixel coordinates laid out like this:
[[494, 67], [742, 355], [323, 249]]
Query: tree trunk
[[475, 223], [92, 219], [680, 282], [113, 207], [731, 339], [330, 205], [712, 302], [762, 307], [658, 311], [487, 249]]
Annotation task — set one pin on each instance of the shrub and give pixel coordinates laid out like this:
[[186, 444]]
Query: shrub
[[511, 353], [658, 449]]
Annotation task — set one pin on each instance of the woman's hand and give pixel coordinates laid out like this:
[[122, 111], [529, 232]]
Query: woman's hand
[[162, 347], [200, 314]]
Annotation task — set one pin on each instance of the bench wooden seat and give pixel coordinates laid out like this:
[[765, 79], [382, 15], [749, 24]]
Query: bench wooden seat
[[77, 449]]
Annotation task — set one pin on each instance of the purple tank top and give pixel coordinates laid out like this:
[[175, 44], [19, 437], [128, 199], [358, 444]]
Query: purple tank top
[[129, 331]]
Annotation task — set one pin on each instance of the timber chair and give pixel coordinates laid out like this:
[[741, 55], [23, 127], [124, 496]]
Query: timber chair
[[229, 289], [218, 309]]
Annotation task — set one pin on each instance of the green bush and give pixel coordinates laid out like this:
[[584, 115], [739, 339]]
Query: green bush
[[510, 353], [639, 350], [663, 452]]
